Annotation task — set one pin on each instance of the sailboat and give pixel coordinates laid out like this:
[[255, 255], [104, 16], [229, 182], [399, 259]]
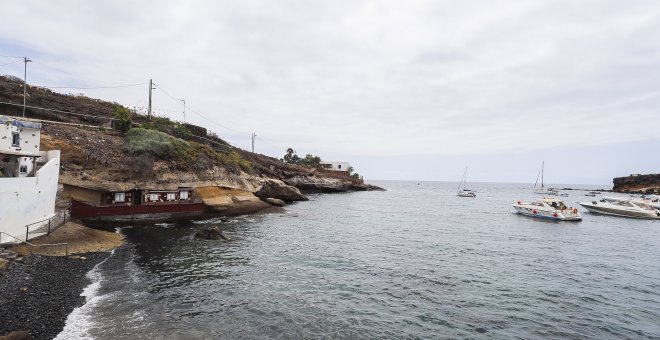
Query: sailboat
[[462, 192], [542, 190]]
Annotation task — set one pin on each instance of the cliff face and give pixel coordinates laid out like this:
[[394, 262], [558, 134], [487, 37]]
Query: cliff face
[[646, 184], [96, 156]]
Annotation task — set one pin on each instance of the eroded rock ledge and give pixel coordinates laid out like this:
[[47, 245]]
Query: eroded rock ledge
[[643, 184], [315, 184]]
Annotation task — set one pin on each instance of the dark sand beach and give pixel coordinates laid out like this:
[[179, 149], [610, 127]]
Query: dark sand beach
[[41, 291]]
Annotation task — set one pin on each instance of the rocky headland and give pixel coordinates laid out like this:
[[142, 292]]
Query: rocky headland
[[105, 145], [637, 183]]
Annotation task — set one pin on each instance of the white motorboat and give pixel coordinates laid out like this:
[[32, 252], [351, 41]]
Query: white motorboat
[[462, 191], [652, 201], [548, 208], [542, 190], [624, 207]]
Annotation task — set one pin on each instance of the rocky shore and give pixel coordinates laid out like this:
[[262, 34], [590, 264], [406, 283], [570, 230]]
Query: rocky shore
[[637, 183], [39, 292]]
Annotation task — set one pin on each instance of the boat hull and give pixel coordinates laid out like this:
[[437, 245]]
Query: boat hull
[[604, 210], [537, 212]]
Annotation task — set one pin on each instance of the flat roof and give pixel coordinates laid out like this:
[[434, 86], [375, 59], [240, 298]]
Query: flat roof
[[19, 153], [19, 123]]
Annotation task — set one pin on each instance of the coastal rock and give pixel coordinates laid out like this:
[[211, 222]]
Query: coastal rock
[[275, 202], [212, 234], [328, 184], [280, 190], [636, 183], [229, 202], [319, 184], [4, 264]]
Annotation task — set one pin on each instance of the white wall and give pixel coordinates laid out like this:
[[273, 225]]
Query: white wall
[[29, 199], [30, 139], [5, 136], [338, 166]]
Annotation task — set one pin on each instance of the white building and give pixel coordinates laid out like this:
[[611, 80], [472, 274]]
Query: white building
[[28, 179], [336, 166]]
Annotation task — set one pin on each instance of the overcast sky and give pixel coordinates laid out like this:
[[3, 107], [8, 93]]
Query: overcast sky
[[401, 89]]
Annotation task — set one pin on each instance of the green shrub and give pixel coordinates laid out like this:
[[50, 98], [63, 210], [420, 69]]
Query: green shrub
[[181, 131], [236, 158], [184, 155], [140, 141], [123, 118]]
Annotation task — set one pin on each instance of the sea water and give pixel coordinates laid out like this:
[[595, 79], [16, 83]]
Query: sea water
[[415, 261]]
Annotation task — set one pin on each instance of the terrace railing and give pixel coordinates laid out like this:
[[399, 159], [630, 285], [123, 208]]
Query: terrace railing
[[66, 245]]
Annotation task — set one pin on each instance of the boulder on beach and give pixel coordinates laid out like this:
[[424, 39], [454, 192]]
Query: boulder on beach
[[275, 202], [229, 201], [212, 234], [280, 190]]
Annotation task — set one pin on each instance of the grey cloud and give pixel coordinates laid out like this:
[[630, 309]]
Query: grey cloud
[[369, 77]]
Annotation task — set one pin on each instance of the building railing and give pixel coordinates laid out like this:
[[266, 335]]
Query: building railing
[[53, 222], [66, 245]]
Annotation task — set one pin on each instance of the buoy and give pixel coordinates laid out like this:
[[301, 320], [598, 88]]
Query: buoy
[[575, 210], [555, 215], [534, 211]]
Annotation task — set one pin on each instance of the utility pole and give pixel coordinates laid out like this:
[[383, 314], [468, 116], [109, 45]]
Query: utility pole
[[151, 87], [25, 60], [254, 135], [184, 110]]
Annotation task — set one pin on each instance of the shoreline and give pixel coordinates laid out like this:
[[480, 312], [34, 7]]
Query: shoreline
[[40, 292], [55, 283]]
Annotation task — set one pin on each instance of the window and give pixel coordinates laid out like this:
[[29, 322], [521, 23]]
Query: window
[[23, 169], [154, 197], [339, 166], [120, 197], [183, 195], [15, 139], [171, 196]]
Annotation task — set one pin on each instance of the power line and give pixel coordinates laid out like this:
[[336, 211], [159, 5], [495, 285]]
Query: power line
[[13, 62], [198, 113], [10, 56], [90, 88], [59, 111]]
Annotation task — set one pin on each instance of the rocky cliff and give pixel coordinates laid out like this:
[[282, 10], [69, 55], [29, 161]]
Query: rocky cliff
[[98, 155], [646, 184]]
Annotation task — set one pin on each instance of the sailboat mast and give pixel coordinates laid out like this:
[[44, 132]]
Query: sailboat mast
[[463, 180], [542, 166]]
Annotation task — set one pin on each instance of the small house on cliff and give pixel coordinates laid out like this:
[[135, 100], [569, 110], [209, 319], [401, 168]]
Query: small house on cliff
[[336, 166], [114, 203]]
